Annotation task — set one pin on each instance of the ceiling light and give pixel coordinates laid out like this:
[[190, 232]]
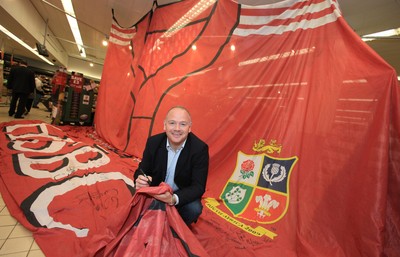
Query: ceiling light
[[382, 34], [105, 41], [82, 51], [367, 39], [73, 24], [14, 37], [188, 17], [196, 10]]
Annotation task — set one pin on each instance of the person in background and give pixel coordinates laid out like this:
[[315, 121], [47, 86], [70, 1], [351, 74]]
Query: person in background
[[38, 91], [29, 103], [21, 81], [180, 159]]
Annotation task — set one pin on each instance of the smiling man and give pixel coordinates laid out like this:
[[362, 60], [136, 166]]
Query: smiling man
[[180, 159]]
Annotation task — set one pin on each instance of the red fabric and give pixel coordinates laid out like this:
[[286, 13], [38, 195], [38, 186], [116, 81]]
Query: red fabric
[[123, 53], [153, 228], [302, 120], [75, 194], [300, 95], [63, 185]]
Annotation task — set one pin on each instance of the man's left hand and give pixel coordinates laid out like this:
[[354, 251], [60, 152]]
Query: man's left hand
[[166, 197]]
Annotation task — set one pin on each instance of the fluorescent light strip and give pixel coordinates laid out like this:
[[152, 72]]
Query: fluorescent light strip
[[382, 34], [386, 33], [11, 35], [73, 23]]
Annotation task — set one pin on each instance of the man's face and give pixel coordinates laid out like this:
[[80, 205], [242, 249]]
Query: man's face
[[177, 125]]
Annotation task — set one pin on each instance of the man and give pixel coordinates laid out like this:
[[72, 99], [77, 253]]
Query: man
[[180, 159], [21, 81]]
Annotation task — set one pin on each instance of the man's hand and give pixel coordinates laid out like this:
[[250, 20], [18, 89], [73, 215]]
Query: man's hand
[[166, 198], [142, 181]]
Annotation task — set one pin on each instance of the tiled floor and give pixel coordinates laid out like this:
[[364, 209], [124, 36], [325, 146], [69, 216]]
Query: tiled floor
[[16, 240]]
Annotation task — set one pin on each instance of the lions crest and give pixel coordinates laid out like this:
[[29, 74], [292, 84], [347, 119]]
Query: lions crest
[[258, 189]]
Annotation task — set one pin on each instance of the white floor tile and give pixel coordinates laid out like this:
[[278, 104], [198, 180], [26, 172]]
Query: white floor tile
[[36, 253], [20, 231], [5, 231], [4, 211], [21, 254], [16, 245], [35, 246], [7, 221]]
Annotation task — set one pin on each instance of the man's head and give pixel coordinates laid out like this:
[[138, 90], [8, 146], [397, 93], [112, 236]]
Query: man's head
[[23, 63], [177, 125]]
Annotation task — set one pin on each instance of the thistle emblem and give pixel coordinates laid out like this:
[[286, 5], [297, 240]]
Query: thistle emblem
[[275, 174]]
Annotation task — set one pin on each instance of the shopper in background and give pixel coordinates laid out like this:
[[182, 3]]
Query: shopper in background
[[180, 159], [29, 103], [21, 81], [38, 91]]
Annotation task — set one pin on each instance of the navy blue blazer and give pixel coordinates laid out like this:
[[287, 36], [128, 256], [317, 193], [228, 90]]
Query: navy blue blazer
[[191, 169]]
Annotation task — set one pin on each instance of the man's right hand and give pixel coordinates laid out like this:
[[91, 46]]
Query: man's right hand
[[142, 181]]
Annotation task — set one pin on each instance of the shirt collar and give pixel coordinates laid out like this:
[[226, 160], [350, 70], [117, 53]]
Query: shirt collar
[[180, 148]]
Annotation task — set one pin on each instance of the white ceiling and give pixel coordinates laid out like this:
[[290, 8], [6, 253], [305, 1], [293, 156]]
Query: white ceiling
[[27, 19]]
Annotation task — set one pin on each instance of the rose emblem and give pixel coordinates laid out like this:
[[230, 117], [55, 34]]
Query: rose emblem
[[246, 169]]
